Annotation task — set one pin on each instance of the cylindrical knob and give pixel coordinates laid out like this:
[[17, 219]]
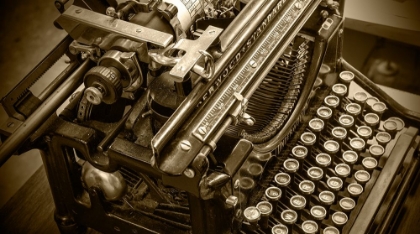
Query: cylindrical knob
[[355, 190], [379, 108], [299, 153], [376, 151], [323, 161], [308, 139], [252, 215], [309, 227], [390, 126], [370, 101], [315, 174], [297, 203], [364, 132], [350, 157], [307, 188], [289, 218], [326, 199], [342, 170], [331, 230], [357, 144], [339, 90], [339, 219], [316, 125], [318, 213], [265, 209], [360, 98], [279, 229], [273, 195], [346, 121], [324, 113], [334, 184], [362, 177], [383, 138], [369, 164], [347, 205], [346, 77], [354, 109], [339, 134], [332, 102], [291, 166], [331, 147], [372, 120], [246, 184]]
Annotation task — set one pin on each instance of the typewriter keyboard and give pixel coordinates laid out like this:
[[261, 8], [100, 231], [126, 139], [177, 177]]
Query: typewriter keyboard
[[320, 179]]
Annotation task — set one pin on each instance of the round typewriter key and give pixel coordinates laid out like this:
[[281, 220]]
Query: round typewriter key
[[347, 205], [339, 133], [252, 214], [400, 123], [307, 188], [355, 190], [369, 164], [331, 230], [299, 153], [309, 227], [289, 218], [372, 120], [324, 113], [357, 144], [316, 125], [291, 165], [315, 174], [323, 161], [342, 170], [339, 219], [360, 97], [346, 121], [255, 170], [346, 77], [364, 132], [350, 157], [282, 179], [308, 138], [362, 177], [273, 195], [339, 90], [390, 126], [353, 109], [265, 209], [332, 101], [376, 151], [331, 147], [371, 100], [279, 229], [334, 184], [379, 108], [383, 138], [318, 213], [246, 184], [326, 199], [297, 203], [323, 70]]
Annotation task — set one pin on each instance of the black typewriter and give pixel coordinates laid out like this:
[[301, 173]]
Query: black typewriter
[[213, 116]]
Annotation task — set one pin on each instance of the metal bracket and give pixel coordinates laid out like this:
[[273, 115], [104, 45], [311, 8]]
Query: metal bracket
[[78, 21], [194, 51]]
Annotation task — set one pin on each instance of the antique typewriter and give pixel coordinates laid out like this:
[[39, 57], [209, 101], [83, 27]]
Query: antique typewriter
[[213, 116]]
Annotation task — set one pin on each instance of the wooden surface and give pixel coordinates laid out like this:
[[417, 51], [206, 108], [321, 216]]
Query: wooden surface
[[398, 20], [31, 209]]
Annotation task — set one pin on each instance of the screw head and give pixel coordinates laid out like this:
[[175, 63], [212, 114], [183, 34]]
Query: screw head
[[185, 145], [189, 173]]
